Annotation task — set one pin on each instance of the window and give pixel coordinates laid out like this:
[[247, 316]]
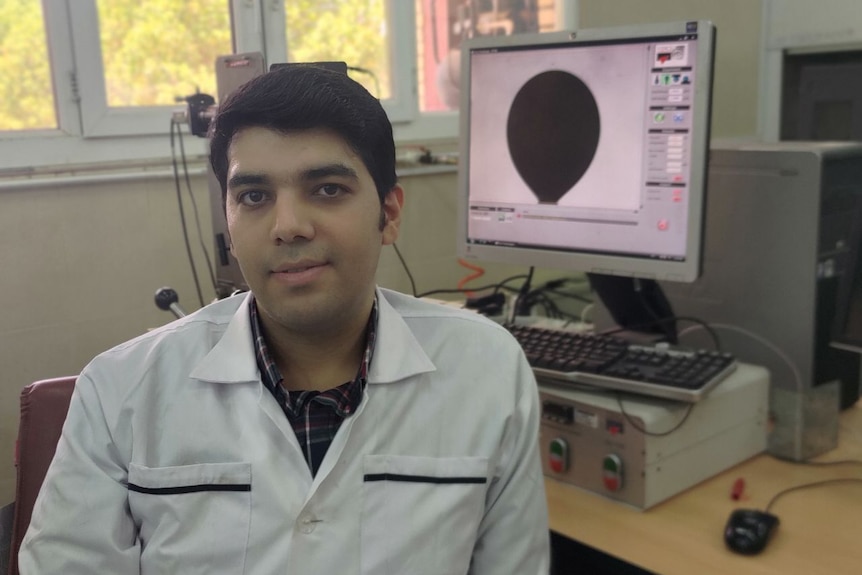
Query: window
[[97, 80], [143, 55], [444, 24], [158, 50], [26, 97], [368, 35], [352, 31]]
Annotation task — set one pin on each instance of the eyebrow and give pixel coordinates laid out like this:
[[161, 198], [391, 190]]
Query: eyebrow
[[246, 179], [310, 175], [329, 170]]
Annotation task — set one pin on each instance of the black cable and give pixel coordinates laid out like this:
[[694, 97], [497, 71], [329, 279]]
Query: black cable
[[667, 327], [210, 266], [715, 339], [406, 269], [373, 77], [569, 295], [183, 215], [519, 308], [502, 285], [807, 485], [819, 463], [496, 286], [652, 433]]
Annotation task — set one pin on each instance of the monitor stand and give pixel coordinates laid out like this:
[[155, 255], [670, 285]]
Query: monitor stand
[[637, 306]]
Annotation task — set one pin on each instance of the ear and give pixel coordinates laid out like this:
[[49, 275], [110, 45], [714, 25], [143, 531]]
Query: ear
[[392, 205]]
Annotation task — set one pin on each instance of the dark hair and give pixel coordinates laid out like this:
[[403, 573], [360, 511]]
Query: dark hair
[[304, 97]]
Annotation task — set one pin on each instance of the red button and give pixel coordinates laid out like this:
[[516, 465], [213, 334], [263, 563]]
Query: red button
[[556, 465]]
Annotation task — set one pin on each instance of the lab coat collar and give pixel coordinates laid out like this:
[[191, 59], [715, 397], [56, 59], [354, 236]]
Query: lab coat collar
[[232, 359], [397, 353]]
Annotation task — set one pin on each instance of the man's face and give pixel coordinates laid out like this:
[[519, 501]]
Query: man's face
[[304, 221]]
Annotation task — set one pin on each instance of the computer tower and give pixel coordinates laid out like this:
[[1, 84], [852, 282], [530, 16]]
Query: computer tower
[[780, 219]]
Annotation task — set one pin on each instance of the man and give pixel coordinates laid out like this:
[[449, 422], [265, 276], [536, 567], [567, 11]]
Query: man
[[317, 424]]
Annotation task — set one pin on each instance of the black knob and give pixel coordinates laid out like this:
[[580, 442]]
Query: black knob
[[165, 297]]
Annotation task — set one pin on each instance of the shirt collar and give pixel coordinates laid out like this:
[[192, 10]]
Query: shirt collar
[[269, 373]]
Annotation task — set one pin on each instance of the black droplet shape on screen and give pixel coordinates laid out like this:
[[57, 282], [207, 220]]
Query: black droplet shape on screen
[[553, 132]]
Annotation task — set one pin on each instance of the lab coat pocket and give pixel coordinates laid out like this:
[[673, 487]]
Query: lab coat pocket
[[420, 515], [192, 518]]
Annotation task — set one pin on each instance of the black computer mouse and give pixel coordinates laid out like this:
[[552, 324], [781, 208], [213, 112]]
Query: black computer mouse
[[748, 530]]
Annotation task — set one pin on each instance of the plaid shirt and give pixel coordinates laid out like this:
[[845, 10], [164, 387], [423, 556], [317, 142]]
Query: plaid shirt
[[314, 415]]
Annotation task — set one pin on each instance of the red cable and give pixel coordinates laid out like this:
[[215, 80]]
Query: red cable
[[477, 273]]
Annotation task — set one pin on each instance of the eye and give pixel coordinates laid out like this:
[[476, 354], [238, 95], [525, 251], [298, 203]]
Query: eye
[[251, 198], [329, 191]]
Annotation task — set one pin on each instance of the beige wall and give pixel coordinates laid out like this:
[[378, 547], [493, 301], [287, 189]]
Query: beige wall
[[81, 263], [738, 49]]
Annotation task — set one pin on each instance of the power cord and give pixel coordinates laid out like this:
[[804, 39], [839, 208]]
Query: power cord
[[175, 125], [501, 285], [369, 73], [210, 266], [406, 269]]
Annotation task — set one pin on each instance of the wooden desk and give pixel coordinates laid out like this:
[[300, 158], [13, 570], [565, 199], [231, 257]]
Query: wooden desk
[[820, 530]]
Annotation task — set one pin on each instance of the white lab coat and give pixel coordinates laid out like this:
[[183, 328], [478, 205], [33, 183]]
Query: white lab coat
[[175, 459]]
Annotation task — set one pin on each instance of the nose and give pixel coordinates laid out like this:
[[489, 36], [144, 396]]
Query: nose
[[292, 219]]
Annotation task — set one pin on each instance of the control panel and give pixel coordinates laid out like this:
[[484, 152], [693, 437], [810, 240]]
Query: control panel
[[591, 447], [639, 450]]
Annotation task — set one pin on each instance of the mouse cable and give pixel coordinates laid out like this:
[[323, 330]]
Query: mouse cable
[[788, 361], [812, 484], [819, 463]]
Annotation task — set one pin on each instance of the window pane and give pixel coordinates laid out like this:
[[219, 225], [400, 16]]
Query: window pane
[[26, 95], [351, 31], [157, 50], [443, 24]]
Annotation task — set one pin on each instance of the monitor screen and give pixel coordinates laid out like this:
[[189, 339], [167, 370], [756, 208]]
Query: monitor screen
[[587, 150]]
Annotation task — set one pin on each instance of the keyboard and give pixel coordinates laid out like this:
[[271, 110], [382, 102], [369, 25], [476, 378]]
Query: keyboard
[[608, 362]]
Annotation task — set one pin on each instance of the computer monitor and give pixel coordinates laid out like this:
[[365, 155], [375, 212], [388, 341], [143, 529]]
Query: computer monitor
[[587, 151]]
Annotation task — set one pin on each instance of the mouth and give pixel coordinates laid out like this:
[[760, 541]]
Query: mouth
[[297, 270], [300, 273], [297, 267]]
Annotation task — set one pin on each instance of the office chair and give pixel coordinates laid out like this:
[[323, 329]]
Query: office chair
[[44, 405]]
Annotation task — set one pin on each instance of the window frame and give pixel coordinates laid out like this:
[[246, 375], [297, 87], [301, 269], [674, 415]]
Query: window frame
[[90, 132]]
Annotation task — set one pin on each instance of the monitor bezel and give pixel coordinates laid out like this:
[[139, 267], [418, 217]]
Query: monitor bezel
[[687, 270]]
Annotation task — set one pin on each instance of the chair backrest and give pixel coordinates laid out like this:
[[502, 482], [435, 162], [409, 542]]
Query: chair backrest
[[44, 405]]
